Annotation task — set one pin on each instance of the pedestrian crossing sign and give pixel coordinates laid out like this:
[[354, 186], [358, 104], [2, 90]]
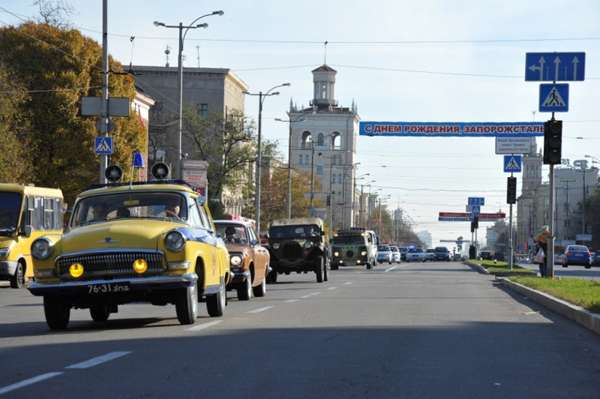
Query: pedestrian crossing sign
[[104, 145], [512, 163], [554, 97]]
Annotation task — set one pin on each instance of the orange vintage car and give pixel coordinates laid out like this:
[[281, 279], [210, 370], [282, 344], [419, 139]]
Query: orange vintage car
[[249, 261]]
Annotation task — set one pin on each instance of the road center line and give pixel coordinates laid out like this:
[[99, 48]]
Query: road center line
[[348, 283], [332, 288], [291, 300], [204, 325], [98, 360], [259, 309], [29, 381], [311, 294], [390, 269]]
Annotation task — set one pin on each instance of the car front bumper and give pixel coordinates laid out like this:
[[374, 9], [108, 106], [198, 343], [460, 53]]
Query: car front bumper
[[238, 277], [7, 269], [140, 284]]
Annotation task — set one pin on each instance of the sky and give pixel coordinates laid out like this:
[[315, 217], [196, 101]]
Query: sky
[[398, 60]]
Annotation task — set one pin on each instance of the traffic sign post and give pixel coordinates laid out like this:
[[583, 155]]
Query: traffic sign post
[[553, 67], [513, 145], [104, 145], [554, 97], [513, 163]]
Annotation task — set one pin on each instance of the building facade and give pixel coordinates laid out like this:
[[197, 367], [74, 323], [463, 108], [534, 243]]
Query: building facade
[[323, 143], [207, 91], [528, 221]]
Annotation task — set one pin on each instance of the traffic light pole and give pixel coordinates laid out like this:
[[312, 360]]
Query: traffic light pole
[[550, 254], [510, 232]]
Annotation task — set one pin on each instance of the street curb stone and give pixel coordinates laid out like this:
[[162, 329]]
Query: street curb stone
[[477, 267], [589, 320]]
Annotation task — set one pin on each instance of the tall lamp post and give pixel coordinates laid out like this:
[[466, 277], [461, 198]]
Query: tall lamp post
[[183, 31], [261, 99], [289, 176]]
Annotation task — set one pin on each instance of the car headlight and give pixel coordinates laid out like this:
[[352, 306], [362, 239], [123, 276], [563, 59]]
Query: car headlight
[[363, 253], [41, 249], [336, 253], [275, 245], [174, 241], [4, 252], [308, 244], [235, 260]]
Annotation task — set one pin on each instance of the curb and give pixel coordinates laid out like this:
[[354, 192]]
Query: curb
[[476, 267], [587, 319]]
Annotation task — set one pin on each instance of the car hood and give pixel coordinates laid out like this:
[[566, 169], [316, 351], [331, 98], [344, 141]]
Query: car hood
[[6, 242], [116, 234]]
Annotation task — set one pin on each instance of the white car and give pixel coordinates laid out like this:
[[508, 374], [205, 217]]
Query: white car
[[415, 254], [384, 254], [396, 255]]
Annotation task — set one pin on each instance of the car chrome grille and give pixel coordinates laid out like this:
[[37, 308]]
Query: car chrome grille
[[118, 264]]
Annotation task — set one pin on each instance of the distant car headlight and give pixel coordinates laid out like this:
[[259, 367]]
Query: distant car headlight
[[308, 244], [235, 260], [275, 245], [4, 252], [174, 241], [41, 249], [363, 253], [336, 253]]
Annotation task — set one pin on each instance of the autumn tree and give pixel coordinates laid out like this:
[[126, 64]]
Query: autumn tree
[[58, 66]]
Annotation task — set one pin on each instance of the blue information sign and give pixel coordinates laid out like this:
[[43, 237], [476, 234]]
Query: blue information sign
[[554, 97], [104, 145], [512, 163], [452, 129], [554, 67], [478, 201]]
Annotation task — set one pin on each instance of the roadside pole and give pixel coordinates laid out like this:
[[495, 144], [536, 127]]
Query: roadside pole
[[550, 254], [289, 176], [510, 233], [105, 69]]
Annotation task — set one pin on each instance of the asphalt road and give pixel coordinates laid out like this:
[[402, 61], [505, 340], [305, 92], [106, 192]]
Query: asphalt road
[[426, 330]]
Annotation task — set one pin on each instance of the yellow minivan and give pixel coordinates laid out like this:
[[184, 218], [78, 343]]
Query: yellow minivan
[[26, 214]]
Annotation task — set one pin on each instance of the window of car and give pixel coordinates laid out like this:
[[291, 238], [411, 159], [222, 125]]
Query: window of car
[[232, 233], [383, 248], [577, 248]]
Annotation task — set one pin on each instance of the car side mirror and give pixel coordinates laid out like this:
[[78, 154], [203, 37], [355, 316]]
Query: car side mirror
[[27, 230]]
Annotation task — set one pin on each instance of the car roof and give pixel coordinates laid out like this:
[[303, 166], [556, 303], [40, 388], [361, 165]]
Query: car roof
[[235, 222], [149, 187], [297, 222], [30, 190]]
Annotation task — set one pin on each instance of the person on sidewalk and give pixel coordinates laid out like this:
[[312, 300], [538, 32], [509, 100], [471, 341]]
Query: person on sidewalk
[[541, 240]]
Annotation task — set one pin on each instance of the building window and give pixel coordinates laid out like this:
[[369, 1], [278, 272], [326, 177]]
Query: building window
[[306, 139], [320, 170], [324, 91], [301, 161], [336, 141], [203, 110], [320, 140]]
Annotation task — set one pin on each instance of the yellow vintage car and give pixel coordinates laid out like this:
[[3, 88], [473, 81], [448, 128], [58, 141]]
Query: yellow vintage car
[[153, 242], [26, 214]]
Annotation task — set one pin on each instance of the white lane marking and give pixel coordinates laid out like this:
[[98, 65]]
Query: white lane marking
[[311, 294], [291, 300], [348, 283], [98, 360], [390, 269], [332, 288], [204, 325], [260, 309], [29, 381]]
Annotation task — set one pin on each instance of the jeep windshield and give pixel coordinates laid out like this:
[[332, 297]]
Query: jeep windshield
[[130, 205], [349, 240], [304, 231], [10, 207]]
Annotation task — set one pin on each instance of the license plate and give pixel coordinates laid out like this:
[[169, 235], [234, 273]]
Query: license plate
[[108, 288]]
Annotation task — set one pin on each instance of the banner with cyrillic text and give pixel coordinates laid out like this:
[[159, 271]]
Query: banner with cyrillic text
[[452, 129]]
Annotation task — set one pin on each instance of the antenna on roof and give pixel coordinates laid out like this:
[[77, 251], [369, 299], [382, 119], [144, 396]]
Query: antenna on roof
[[132, 41], [325, 52]]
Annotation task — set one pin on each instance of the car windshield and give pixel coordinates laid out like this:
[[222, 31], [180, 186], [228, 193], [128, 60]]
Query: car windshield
[[349, 240], [298, 231], [232, 233], [394, 249], [147, 205], [383, 248], [415, 250], [10, 207], [441, 249], [577, 248]]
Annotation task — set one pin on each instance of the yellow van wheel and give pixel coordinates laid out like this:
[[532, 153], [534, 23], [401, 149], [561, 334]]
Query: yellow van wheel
[[18, 280]]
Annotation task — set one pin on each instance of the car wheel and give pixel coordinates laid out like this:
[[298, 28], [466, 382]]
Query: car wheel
[[319, 269], [215, 303], [369, 267], [272, 277], [18, 280], [565, 265], [244, 293], [588, 266], [335, 267], [186, 304], [325, 276], [57, 313], [261, 290], [99, 313]]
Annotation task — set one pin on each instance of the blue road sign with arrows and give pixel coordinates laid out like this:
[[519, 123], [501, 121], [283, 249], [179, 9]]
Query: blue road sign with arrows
[[476, 201], [554, 67], [104, 145], [512, 163], [554, 97]]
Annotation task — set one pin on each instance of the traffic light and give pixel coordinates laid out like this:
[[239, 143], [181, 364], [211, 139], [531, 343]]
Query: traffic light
[[511, 190], [474, 224], [552, 142]]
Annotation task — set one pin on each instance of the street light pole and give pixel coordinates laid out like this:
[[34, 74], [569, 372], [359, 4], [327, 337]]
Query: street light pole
[[105, 69]]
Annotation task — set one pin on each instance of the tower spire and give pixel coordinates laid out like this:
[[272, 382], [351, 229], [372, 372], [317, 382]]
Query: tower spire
[[325, 52]]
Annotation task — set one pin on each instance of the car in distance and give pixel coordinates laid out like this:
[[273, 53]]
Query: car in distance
[[355, 246], [384, 254], [442, 254], [403, 251], [415, 254], [249, 261], [430, 255], [396, 257], [577, 255], [596, 258], [150, 242], [486, 255], [26, 214], [298, 245]]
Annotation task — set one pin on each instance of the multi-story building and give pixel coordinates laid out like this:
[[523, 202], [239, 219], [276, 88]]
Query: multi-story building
[[207, 91], [527, 211], [323, 143], [141, 105]]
